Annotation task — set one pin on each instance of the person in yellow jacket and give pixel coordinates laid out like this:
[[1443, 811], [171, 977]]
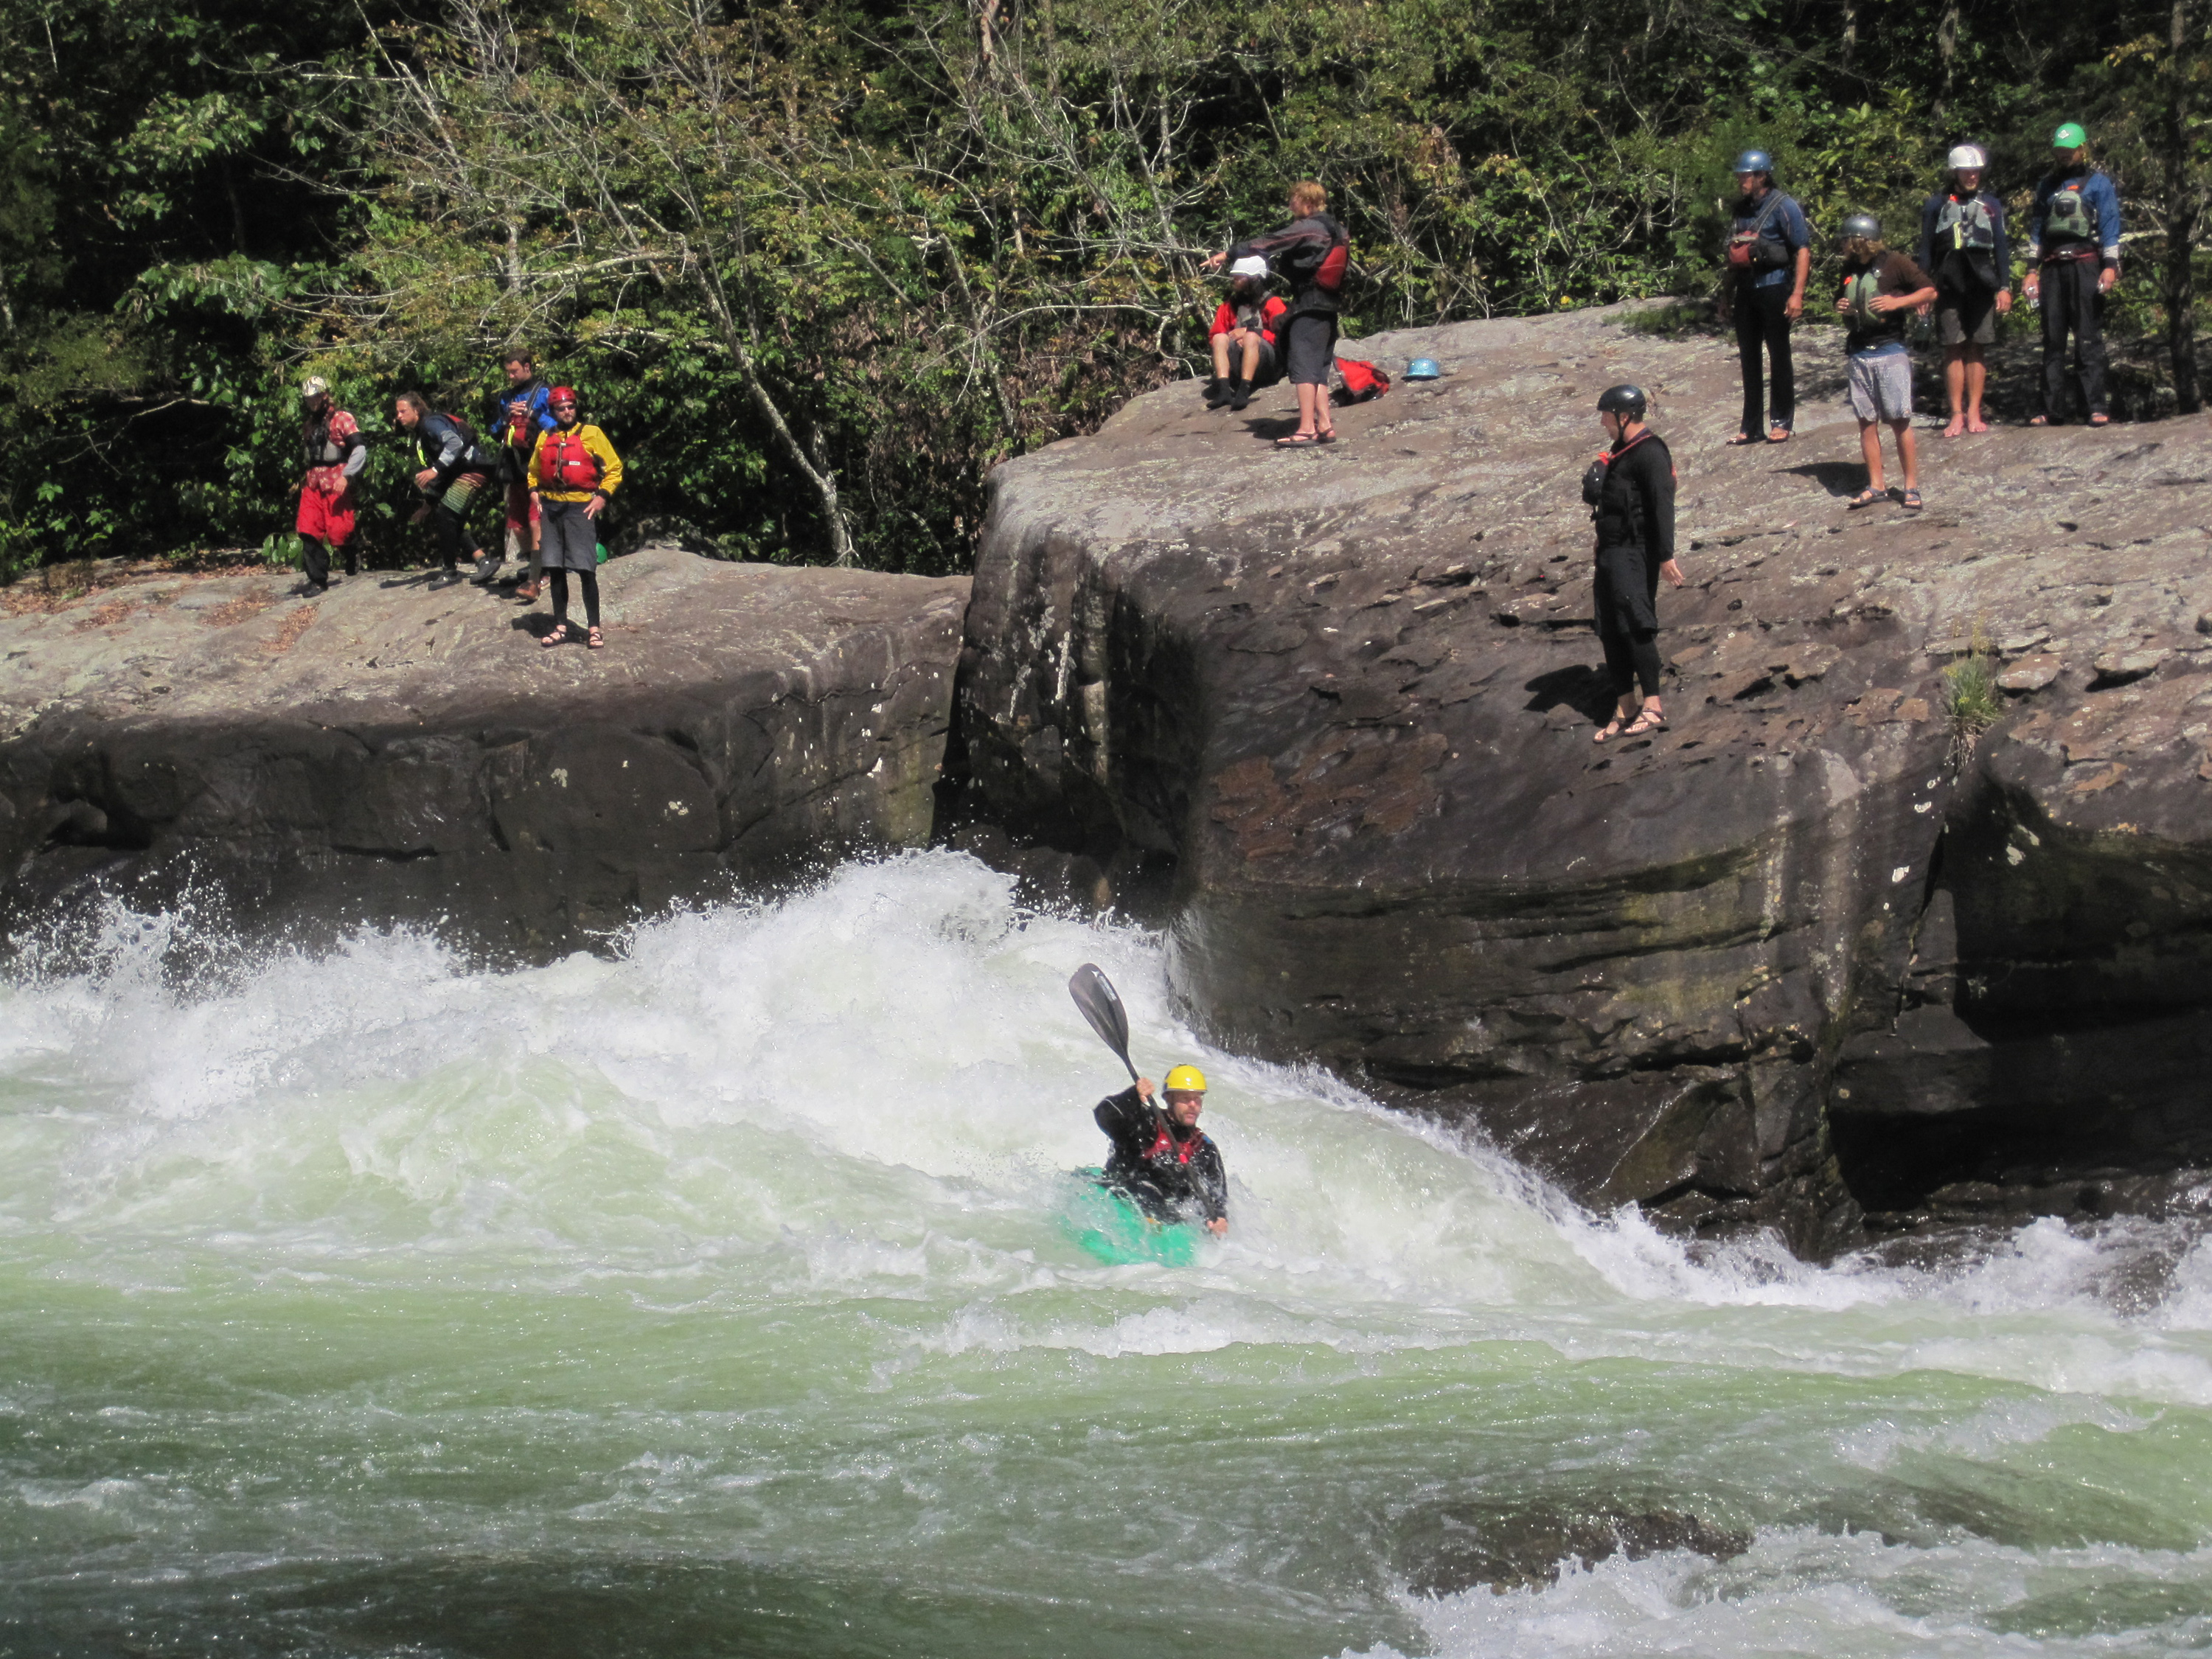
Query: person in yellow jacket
[[573, 472]]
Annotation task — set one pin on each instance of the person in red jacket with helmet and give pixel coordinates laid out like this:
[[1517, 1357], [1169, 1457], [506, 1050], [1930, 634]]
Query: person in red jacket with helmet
[[1246, 355], [573, 472]]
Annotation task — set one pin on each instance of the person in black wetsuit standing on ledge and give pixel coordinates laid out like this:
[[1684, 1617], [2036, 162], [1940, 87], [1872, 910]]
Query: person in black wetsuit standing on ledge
[[1160, 1159], [1631, 492]]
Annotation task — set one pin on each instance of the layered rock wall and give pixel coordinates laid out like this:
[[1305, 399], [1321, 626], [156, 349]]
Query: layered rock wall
[[1350, 692], [388, 753]]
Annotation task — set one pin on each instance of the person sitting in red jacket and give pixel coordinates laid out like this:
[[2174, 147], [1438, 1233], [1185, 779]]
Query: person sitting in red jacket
[[1245, 357]]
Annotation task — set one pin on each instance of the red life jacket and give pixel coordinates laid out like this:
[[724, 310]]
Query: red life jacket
[[1362, 379], [563, 462], [1165, 1141]]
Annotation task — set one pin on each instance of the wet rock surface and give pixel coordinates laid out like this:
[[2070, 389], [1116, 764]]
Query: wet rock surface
[[1453, 1549], [392, 752], [1814, 953]]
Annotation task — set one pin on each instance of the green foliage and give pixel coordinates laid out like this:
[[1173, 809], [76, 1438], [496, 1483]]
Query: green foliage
[[1971, 696]]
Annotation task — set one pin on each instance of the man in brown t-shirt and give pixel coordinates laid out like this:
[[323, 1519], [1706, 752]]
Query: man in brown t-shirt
[[1882, 290]]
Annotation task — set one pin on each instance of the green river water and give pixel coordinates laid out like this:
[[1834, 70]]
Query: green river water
[[715, 1299]]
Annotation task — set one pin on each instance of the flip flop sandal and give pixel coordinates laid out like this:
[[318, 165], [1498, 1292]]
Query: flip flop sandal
[[2100, 420], [1780, 435], [2038, 420], [1297, 441], [1328, 437], [1867, 498], [1642, 723], [1741, 438], [1610, 729]]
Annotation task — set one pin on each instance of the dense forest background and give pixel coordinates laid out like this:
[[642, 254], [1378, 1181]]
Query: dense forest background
[[816, 265]]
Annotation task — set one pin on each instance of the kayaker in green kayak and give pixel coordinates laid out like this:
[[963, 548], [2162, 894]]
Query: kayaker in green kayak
[[1160, 1159]]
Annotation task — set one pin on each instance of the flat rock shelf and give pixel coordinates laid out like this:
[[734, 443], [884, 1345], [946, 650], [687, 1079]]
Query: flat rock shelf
[[392, 752], [1815, 957]]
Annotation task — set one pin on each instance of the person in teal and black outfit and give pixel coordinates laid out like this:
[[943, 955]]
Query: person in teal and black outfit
[[1769, 254], [2073, 259]]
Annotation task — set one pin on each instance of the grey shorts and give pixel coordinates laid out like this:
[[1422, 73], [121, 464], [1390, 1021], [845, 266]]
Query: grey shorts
[[571, 540], [1881, 386], [1967, 319], [1310, 343]]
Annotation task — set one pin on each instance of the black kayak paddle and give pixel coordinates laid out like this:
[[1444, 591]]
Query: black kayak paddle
[[1094, 993]]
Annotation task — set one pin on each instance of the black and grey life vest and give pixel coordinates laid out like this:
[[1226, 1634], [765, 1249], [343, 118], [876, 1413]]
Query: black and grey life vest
[[1965, 227]]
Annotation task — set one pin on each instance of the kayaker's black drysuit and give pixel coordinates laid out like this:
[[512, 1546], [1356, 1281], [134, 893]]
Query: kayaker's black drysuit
[[1162, 1166]]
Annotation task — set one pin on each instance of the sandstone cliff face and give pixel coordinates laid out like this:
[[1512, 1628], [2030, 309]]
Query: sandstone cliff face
[[1806, 953], [389, 753]]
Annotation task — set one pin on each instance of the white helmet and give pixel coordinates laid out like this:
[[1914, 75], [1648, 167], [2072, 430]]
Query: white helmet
[[1252, 265], [1966, 158], [314, 386]]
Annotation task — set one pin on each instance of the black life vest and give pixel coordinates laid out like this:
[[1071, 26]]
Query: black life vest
[[563, 462], [1595, 475]]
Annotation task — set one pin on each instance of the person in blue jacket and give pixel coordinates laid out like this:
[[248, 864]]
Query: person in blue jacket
[[1769, 255], [521, 413], [1964, 248], [2073, 259]]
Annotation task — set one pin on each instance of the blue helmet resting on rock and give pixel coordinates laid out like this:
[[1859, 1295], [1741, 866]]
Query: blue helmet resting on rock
[[1754, 161], [1425, 368]]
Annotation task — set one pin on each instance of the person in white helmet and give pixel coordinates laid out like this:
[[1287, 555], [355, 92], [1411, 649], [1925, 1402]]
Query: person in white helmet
[[1244, 337], [1963, 247]]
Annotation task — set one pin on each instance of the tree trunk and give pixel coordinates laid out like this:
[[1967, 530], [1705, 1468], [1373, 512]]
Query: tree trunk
[[2182, 211], [1947, 48], [842, 553]]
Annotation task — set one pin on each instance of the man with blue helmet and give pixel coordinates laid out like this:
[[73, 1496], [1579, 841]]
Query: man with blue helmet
[[1769, 255]]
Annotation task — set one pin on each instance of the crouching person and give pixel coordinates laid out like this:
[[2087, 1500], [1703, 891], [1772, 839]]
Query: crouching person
[[573, 472], [1882, 290], [1245, 355]]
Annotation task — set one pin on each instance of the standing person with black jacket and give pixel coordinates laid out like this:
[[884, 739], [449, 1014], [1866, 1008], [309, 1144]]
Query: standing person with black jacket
[[1312, 253], [1769, 255], [2074, 260], [453, 467], [1963, 247], [1631, 492]]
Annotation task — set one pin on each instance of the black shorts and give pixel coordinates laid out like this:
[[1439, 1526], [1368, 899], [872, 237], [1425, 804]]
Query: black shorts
[[1310, 343], [1967, 319]]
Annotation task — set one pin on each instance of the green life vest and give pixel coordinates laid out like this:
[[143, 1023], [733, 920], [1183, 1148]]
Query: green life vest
[[1963, 225], [1858, 299], [2068, 217]]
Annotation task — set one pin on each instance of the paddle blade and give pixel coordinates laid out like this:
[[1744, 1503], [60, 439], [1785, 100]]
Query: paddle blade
[[1094, 994]]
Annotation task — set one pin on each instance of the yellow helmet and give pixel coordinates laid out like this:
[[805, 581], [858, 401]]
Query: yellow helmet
[[1185, 1080]]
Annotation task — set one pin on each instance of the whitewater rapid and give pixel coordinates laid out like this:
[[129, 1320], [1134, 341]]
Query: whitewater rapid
[[712, 1297]]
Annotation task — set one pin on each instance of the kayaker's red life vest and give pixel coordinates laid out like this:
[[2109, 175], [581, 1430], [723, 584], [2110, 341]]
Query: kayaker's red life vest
[[1166, 1142], [563, 462]]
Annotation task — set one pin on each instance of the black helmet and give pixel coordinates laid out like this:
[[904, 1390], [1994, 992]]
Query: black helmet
[[1862, 224], [1625, 401]]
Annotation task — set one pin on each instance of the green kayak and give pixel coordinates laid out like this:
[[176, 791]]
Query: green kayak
[[1109, 1226]]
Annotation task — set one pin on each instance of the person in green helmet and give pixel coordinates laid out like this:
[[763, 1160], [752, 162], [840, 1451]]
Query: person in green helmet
[[1165, 1165], [2074, 260]]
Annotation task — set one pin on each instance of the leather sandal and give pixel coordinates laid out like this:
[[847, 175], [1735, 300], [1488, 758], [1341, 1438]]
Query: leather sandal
[[594, 640], [557, 636], [1610, 729], [1651, 720]]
